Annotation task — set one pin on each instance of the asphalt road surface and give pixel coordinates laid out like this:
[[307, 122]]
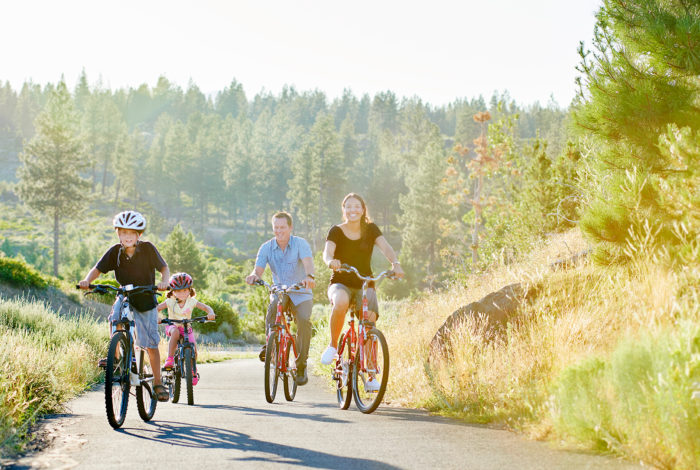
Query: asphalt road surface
[[232, 426]]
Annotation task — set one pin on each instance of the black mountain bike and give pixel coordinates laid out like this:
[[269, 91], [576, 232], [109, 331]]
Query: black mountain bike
[[122, 370], [185, 362]]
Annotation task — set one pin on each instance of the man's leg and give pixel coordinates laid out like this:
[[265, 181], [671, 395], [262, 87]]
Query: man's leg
[[269, 321], [303, 314]]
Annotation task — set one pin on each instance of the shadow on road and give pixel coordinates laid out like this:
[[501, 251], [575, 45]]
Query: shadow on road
[[275, 412], [407, 414], [208, 437]]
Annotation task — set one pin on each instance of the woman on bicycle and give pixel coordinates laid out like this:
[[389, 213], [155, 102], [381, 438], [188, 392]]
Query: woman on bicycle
[[352, 243], [180, 302]]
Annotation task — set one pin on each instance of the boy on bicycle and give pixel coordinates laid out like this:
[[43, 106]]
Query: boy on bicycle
[[290, 261], [135, 262]]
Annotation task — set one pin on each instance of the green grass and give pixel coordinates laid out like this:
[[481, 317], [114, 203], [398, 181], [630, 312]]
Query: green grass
[[44, 361], [19, 273], [638, 400]]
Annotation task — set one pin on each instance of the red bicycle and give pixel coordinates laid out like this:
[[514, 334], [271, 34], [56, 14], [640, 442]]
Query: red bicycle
[[362, 367], [281, 350]]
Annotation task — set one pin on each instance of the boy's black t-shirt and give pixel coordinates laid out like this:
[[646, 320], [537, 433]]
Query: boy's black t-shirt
[[139, 270], [357, 253]]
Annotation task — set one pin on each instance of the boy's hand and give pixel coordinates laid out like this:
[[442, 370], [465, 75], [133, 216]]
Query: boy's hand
[[163, 285], [84, 284]]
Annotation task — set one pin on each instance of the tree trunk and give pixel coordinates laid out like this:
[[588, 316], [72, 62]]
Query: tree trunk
[[477, 221], [55, 243]]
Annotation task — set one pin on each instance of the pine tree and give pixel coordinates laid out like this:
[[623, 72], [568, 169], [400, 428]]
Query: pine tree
[[49, 176], [640, 79], [182, 253]]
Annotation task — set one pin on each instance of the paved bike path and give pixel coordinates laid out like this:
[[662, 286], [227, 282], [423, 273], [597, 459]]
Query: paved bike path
[[232, 426]]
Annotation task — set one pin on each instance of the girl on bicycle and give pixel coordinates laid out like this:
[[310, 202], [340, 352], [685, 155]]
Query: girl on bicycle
[[352, 243], [180, 302]]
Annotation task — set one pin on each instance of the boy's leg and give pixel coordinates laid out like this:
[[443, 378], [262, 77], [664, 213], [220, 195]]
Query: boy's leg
[[147, 337]]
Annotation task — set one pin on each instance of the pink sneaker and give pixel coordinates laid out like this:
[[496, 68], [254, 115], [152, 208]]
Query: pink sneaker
[[195, 379], [169, 363]]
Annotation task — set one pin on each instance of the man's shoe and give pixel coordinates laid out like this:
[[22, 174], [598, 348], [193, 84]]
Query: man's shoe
[[301, 378], [262, 353]]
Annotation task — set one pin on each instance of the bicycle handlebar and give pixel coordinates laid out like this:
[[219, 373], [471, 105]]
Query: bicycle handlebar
[[280, 289], [127, 289], [351, 269], [169, 321]]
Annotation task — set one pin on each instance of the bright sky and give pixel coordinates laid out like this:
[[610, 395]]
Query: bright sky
[[438, 50]]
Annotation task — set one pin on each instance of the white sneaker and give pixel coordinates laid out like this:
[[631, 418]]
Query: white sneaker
[[329, 355], [372, 385]]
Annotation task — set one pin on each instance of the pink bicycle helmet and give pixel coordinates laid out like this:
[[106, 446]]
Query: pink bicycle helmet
[[180, 281]]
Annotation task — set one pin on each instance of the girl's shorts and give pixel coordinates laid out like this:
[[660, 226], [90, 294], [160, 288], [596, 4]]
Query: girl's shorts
[[170, 328]]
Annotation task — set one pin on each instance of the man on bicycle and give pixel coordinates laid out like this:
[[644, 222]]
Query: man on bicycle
[[290, 261]]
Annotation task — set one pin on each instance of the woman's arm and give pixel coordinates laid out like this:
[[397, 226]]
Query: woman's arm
[[390, 255], [328, 256]]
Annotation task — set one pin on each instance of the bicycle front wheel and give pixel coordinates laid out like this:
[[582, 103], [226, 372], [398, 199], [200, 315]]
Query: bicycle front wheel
[[290, 382], [343, 372], [117, 383], [271, 367], [370, 372], [174, 388], [188, 375], [146, 400]]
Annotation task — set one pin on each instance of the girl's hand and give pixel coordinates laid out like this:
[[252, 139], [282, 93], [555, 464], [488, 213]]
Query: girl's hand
[[398, 271], [211, 317]]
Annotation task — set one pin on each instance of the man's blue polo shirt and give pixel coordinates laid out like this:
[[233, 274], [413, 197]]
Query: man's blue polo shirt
[[286, 266]]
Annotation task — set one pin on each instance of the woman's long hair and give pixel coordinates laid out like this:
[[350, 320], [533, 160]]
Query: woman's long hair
[[364, 220]]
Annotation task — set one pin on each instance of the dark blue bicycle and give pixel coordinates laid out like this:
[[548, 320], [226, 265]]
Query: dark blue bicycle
[[122, 371]]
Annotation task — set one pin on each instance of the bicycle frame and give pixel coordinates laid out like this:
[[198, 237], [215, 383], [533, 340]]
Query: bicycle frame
[[354, 357]]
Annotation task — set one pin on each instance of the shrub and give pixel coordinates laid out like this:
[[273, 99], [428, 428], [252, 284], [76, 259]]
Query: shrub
[[225, 315], [20, 274]]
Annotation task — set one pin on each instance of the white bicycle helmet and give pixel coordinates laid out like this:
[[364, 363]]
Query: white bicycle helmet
[[130, 219]]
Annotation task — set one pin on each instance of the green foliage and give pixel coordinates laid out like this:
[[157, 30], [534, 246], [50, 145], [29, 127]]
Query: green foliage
[[49, 177], [638, 400], [638, 89], [19, 273], [183, 254], [225, 315]]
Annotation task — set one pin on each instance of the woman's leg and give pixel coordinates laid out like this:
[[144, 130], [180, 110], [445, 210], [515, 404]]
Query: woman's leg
[[340, 300]]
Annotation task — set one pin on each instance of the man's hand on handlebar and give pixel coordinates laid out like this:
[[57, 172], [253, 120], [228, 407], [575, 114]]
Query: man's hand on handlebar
[[251, 279]]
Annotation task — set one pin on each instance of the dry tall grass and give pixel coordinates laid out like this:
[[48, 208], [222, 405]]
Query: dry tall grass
[[583, 331]]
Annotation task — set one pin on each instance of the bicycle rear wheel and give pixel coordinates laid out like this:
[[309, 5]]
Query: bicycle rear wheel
[[343, 372], [187, 361], [146, 400], [117, 380], [290, 383], [271, 368], [370, 372]]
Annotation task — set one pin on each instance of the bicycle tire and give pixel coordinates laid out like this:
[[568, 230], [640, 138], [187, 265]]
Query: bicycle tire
[[290, 382], [146, 399], [177, 377], [271, 370], [342, 372], [188, 375], [117, 383], [368, 401]]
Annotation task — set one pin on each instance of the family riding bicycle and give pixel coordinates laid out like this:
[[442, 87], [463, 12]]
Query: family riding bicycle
[[361, 360]]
